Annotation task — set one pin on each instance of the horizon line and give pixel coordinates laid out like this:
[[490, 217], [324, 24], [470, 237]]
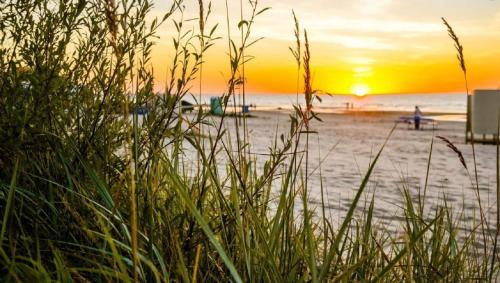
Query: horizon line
[[343, 94]]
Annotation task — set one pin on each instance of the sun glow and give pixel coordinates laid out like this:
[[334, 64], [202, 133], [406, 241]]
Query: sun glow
[[360, 89]]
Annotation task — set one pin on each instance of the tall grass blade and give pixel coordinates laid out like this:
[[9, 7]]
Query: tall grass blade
[[333, 250]]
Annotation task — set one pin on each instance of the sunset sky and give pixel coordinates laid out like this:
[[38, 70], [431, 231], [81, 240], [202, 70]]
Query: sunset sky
[[373, 46]]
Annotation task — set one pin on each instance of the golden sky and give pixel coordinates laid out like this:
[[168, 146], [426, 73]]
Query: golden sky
[[358, 46]]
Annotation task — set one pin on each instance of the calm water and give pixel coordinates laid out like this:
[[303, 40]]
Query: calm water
[[442, 103]]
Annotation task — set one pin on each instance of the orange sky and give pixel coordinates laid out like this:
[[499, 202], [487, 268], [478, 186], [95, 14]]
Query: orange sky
[[383, 46]]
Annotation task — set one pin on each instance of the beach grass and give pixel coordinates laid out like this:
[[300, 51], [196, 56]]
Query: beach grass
[[92, 191]]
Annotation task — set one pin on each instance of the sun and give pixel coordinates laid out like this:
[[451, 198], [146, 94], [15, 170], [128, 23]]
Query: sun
[[360, 89]]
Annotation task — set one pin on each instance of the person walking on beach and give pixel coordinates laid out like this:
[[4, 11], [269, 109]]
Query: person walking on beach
[[416, 118]]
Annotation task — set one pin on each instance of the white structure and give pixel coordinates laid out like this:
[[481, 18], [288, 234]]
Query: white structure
[[483, 112]]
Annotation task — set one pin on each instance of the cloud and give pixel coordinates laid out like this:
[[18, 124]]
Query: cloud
[[367, 25], [370, 7], [361, 72], [359, 42], [360, 60]]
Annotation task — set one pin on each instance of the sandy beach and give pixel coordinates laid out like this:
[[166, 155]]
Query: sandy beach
[[346, 143]]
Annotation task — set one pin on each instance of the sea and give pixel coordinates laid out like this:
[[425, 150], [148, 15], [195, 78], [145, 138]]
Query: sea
[[450, 106]]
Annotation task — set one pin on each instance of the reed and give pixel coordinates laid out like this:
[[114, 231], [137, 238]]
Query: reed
[[297, 51], [460, 57]]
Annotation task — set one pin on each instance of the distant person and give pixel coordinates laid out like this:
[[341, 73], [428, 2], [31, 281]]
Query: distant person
[[416, 118]]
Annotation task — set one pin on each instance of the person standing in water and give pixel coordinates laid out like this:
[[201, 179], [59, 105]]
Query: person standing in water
[[416, 118]]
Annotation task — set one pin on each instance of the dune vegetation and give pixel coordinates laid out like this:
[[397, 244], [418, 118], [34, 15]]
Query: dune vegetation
[[92, 191]]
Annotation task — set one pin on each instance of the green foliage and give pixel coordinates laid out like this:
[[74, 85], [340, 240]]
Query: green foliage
[[90, 191]]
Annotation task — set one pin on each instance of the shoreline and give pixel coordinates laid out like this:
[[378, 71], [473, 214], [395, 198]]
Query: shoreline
[[439, 116], [362, 111]]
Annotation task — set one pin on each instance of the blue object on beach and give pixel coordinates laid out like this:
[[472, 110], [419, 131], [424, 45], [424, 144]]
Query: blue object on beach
[[141, 110], [215, 106], [246, 109]]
